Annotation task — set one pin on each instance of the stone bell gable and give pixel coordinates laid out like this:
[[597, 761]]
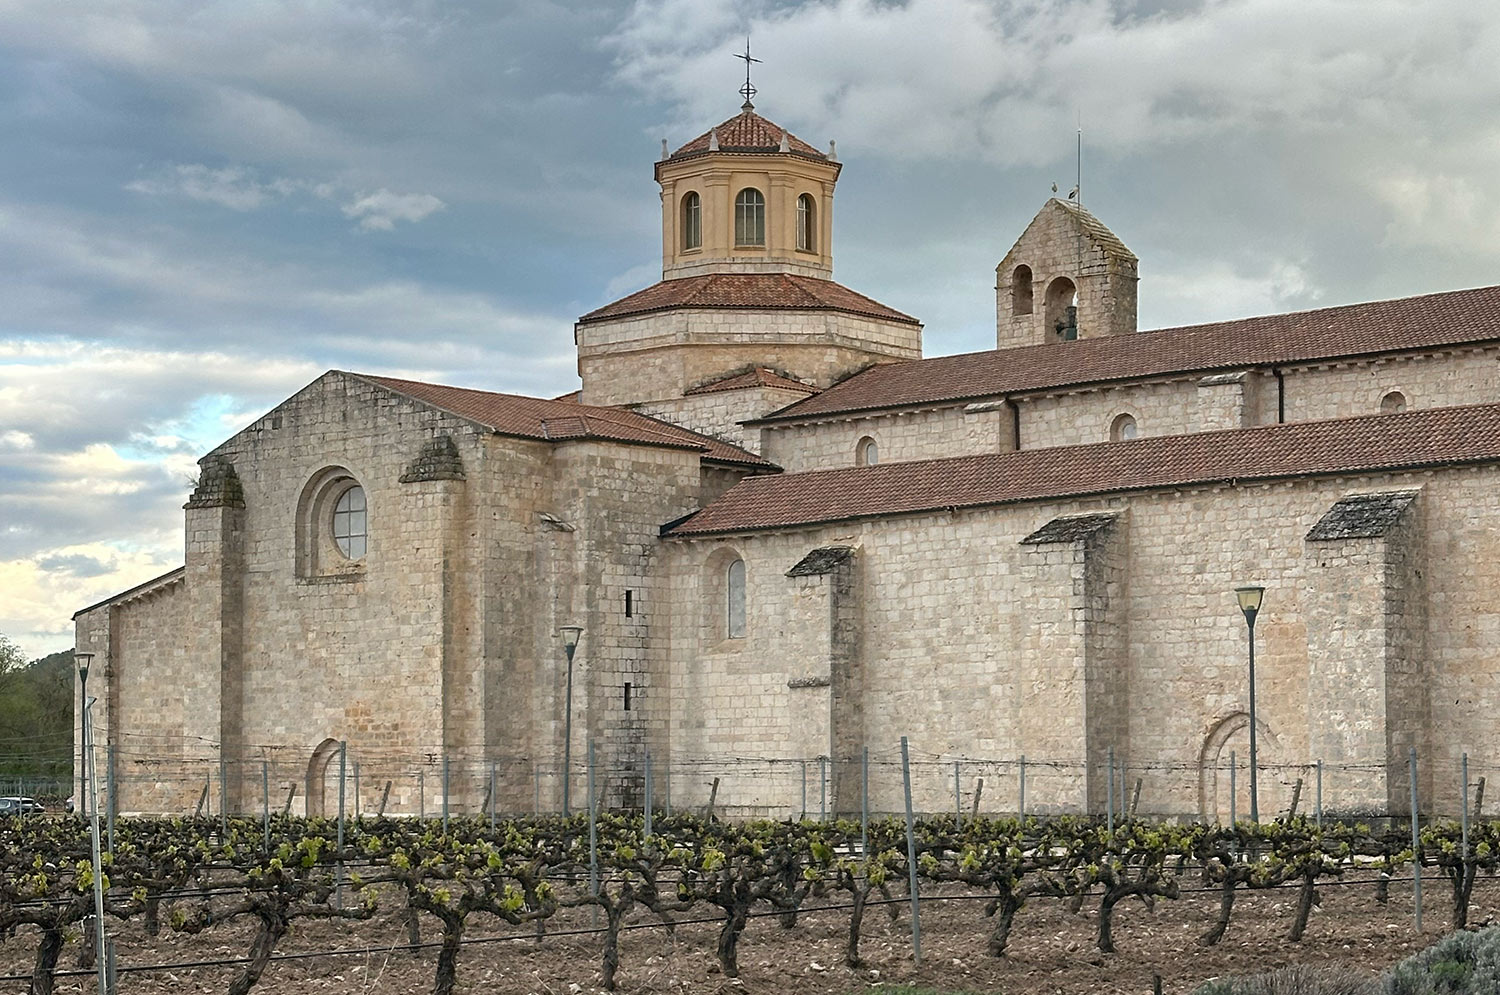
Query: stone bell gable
[[1067, 277]]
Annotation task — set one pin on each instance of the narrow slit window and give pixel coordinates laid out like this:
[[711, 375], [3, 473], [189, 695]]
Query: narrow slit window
[[629, 604], [627, 696], [735, 610], [692, 221]]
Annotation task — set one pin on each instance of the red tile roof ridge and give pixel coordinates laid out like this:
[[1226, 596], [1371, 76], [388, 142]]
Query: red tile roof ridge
[[554, 420], [760, 376], [747, 131], [747, 291], [1363, 444], [1425, 321]]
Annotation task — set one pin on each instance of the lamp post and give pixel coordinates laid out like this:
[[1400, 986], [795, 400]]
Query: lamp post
[[87, 754], [570, 634], [1250, 598], [83, 660]]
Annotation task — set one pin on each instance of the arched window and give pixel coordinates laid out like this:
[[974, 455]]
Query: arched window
[[807, 221], [1393, 403], [1062, 309], [332, 525], [749, 218], [349, 526], [1122, 429], [692, 222], [1020, 291], [734, 587], [866, 452]]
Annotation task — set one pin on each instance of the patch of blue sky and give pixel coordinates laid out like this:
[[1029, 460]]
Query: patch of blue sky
[[209, 420]]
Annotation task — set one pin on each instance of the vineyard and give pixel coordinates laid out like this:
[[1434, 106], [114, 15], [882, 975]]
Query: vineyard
[[551, 880]]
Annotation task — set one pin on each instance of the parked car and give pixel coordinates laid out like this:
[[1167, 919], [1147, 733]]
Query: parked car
[[15, 805]]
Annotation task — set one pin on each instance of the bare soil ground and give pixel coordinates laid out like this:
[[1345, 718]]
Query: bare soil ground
[[1051, 951]]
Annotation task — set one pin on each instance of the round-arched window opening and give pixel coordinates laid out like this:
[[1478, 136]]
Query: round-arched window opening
[[692, 222], [807, 222], [1393, 403], [1123, 429], [1020, 291], [734, 607], [1062, 309], [350, 530], [867, 453], [749, 218]]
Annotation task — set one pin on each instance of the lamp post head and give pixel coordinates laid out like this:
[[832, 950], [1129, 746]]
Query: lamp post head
[[83, 660], [1249, 599], [570, 634]]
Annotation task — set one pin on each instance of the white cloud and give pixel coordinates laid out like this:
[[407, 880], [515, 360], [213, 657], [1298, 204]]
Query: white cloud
[[43, 591], [379, 211], [233, 187]]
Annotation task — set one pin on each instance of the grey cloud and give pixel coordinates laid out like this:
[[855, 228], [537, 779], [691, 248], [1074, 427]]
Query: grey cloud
[[76, 564], [233, 187]]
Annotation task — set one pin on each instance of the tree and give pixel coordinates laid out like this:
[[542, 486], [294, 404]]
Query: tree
[[36, 716]]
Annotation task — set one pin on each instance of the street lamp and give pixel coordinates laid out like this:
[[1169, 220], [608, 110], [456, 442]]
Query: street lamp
[[1250, 598], [87, 797], [83, 660], [570, 634]]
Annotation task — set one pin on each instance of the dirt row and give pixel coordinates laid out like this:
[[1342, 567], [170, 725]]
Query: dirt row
[[1051, 950]]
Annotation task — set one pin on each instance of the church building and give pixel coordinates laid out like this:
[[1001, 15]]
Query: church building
[[787, 538]]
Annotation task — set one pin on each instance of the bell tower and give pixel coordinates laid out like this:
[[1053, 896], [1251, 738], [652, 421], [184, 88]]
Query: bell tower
[[746, 317], [1067, 277], [747, 196]]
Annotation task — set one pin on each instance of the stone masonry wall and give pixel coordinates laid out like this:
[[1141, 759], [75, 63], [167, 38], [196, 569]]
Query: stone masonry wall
[[1428, 380], [720, 412], [948, 610], [658, 357], [140, 648], [323, 648], [619, 496], [916, 435]]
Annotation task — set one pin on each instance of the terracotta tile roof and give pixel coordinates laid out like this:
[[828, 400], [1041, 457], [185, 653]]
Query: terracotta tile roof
[[747, 131], [758, 377], [1369, 444], [166, 580], [559, 420], [1434, 320], [751, 291]]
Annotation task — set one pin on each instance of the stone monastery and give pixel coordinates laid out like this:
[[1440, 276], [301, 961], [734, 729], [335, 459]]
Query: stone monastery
[[787, 536]]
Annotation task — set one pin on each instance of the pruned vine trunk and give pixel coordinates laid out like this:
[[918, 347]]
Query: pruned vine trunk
[[858, 894], [1307, 897], [729, 939], [47, 951], [1462, 880], [447, 964], [614, 916], [1004, 909], [272, 928], [1215, 933]]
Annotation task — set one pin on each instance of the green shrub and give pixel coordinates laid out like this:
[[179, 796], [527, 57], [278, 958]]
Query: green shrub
[[1461, 963], [1296, 979]]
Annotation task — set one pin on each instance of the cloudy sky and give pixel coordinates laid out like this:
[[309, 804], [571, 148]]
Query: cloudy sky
[[203, 205]]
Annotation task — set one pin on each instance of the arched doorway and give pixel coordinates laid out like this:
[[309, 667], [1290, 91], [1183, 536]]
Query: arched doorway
[[1230, 736], [320, 793]]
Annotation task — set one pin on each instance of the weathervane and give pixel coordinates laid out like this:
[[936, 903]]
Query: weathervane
[[747, 90]]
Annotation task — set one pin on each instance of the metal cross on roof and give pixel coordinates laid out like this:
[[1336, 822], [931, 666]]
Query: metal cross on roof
[[747, 90]]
